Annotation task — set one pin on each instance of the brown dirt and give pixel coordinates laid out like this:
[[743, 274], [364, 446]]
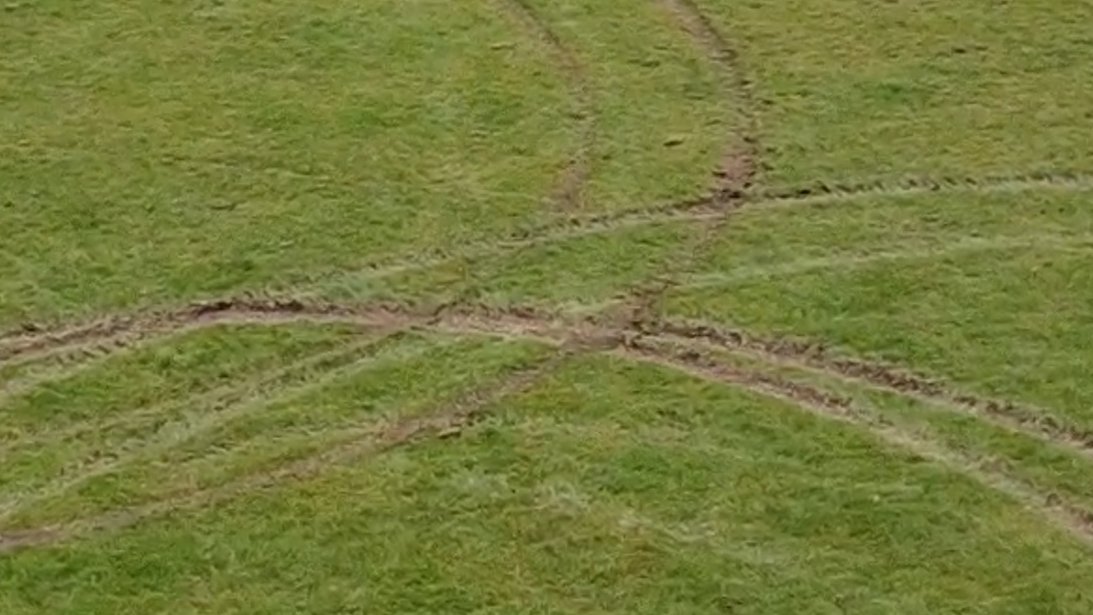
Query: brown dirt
[[825, 190]]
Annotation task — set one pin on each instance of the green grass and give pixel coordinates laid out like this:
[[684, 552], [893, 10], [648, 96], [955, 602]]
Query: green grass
[[986, 290], [853, 89], [618, 455], [152, 154]]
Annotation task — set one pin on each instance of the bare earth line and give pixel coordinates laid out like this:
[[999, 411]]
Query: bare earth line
[[569, 193], [448, 420], [531, 323], [1035, 422], [1069, 517], [1066, 515], [193, 424]]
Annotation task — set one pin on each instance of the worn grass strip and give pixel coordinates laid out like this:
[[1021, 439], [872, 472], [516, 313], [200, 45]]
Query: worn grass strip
[[445, 420]]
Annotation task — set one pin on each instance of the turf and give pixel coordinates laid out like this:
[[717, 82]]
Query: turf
[[606, 451], [529, 306]]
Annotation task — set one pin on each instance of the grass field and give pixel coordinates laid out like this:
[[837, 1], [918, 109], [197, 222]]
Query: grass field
[[530, 306]]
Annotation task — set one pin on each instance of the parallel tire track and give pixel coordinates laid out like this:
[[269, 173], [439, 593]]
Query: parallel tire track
[[1037, 423], [668, 344], [1066, 515], [526, 322], [309, 376], [448, 419]]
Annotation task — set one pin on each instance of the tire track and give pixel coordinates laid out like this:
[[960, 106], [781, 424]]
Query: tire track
[[910, 252], [289, 385], [1065, 515], [824, 192], [553, 328], [447, 420], [741, 164], [737, 173], [504, 321], [569, 193], [217, 397], [671, 346], [599, 331], [59, 365], [1035, 422]]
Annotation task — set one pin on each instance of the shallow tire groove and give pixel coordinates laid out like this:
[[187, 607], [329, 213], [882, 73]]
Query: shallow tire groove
[[445, 420]]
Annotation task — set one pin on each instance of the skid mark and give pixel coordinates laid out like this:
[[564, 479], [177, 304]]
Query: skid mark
[[1066, 515], [1035, 422], [447, 420]]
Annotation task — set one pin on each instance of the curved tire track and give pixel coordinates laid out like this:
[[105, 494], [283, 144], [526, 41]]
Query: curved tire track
[[447, 420], [816, 356], [569, 193], [454, 417]]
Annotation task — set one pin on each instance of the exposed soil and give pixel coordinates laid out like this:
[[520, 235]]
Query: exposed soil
[[824, 191]]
